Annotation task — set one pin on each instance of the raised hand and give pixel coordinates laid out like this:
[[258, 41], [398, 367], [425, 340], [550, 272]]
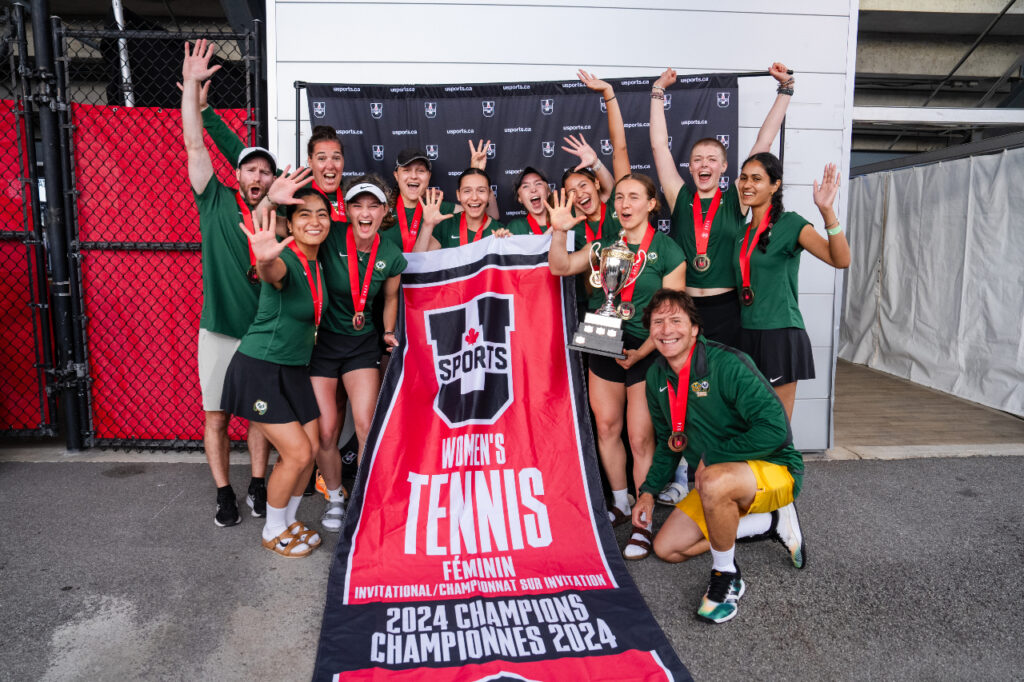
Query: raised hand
[[431, 202], [204, 93], [282, 192], [779, 72], [478, 154], [263, 240], [560, 215], [667, 78], [825, 193], [196, 66], [595, 83], [578, 147]]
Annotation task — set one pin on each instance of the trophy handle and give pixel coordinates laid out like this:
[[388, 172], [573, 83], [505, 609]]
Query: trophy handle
[[642, 257], [595, 256]]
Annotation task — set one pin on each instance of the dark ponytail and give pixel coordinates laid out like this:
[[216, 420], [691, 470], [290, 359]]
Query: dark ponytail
[[323, 134]]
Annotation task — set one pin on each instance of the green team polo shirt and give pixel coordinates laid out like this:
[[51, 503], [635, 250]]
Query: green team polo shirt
[[229, 298], [774, 276], [334, 258], [393, 234], [732, 415], [663, 257], [519, 225], [283, 331], [729, 222], [446, 232], [610, 225]]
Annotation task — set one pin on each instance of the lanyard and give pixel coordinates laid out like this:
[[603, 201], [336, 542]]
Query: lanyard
[[408, 233], [359, 299], [251, 229], [627, 293], [677, 405], [534, 225], [702, 230], [590, 233], [337, 206], [746, 248], [316, 291], [464, 229]]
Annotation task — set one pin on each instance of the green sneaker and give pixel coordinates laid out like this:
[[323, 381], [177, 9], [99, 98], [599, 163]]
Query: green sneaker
[[719, 603]]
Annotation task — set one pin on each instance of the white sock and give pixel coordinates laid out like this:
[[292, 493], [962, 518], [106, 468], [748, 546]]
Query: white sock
[[680, 476], [723, 561], [621, 500], [291, 509], [754, 524], [633, 550], [275, 524], [336, 496]]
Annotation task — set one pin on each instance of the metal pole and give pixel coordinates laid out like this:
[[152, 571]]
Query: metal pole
[[55, 232], [299, 86], [122, 51]]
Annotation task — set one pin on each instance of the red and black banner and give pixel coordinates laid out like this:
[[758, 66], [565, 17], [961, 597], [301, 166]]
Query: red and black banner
[[476, 544]]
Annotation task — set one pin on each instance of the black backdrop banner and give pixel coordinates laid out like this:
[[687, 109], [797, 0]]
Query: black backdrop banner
[[525, 122]]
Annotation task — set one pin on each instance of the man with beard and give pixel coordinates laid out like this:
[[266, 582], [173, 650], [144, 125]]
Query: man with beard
[[230, 286]]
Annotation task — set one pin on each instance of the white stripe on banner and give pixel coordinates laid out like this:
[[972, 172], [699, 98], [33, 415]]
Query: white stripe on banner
[[476, 545]]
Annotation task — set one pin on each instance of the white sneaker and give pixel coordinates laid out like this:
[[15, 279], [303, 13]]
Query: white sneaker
[[333, 516], [786, 529], [672, 494]]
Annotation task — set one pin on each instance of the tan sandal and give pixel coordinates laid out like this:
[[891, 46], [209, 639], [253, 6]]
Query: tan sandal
[[303, 533], [286, 545], [643, 543]]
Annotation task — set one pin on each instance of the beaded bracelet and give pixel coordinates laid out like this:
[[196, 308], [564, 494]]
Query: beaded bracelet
[[657, 95]]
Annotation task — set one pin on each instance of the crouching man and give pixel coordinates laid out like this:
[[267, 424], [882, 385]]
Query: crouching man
[[709, 404]]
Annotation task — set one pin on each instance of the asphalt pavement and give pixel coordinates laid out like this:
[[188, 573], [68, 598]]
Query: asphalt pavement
[[114, 570]]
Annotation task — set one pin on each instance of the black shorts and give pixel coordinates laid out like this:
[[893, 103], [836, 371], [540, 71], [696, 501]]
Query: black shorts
[[782, 355], [720, 317], [268, 393], [609, 370], [336, 354]]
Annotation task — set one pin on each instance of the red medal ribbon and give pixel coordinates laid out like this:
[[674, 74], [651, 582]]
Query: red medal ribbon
[[534, 225], [318, 290], [702, 233], [249, 226], [359, 301], [464, 229], [337, 206], [591, 237], [746, 250], [627, 294], [677, 403], [408, 233]]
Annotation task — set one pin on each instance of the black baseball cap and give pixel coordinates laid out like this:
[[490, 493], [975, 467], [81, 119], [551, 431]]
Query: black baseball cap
[[407, 156], [527, 171]]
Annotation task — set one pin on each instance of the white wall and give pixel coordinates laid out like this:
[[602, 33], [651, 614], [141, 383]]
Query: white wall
[[461, 42]]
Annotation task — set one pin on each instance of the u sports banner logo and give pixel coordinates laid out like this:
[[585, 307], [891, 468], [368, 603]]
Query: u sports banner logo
[[476, 544], [547, 106], [376, 109], [668, 101], [378, 152], [606, 147], [547, 148], [319, 109], [488, 108], [723, 182], [430, 109], [431, 150], [723, 100], [723, 139], [492, 149]]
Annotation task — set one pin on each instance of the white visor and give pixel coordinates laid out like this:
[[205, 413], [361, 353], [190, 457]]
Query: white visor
[[365, 188]]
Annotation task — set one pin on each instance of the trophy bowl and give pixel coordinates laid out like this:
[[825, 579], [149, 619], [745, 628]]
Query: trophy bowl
[[601, 332]]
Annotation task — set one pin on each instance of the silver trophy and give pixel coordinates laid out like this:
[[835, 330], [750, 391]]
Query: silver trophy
[[601, 332]]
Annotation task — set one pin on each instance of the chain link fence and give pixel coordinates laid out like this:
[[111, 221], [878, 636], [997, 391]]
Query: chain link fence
[[26, 409], [135, 225]]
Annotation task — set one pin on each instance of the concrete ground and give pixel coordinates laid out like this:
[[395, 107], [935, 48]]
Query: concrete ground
[[115, 571]]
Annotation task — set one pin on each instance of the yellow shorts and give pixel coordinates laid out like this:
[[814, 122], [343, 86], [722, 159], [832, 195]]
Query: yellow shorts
[[774, 490]]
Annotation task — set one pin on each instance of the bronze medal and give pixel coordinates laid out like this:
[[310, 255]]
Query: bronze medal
[[595, 279], [251, 275], [626, 310], [747, 296], [358, 321], [701, 262], [677, 441]]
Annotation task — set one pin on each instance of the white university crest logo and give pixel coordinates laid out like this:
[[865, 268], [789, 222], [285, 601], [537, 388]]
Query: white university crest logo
[[551, 185], [724, 139], [604, 105], [320, 109], [430, 109], [664, 225], [723, 99], [492, 149], [378, 152], [668, 101], [547, 106], [488, 107], [606, 147], [376, 109], [494, 191], [547, 148], [670, 142], [432, 152], [723, 182]]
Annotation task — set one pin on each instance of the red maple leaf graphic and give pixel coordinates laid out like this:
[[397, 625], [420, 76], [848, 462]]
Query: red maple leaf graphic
[[472, 336]]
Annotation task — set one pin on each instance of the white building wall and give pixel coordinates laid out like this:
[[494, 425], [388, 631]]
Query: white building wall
[[423, 41]]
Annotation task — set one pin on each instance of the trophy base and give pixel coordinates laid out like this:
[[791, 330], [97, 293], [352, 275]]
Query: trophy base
[[599, 335]]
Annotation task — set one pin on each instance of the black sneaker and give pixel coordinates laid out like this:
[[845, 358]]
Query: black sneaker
[[257, 499], [719, 602], [227, 508]]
